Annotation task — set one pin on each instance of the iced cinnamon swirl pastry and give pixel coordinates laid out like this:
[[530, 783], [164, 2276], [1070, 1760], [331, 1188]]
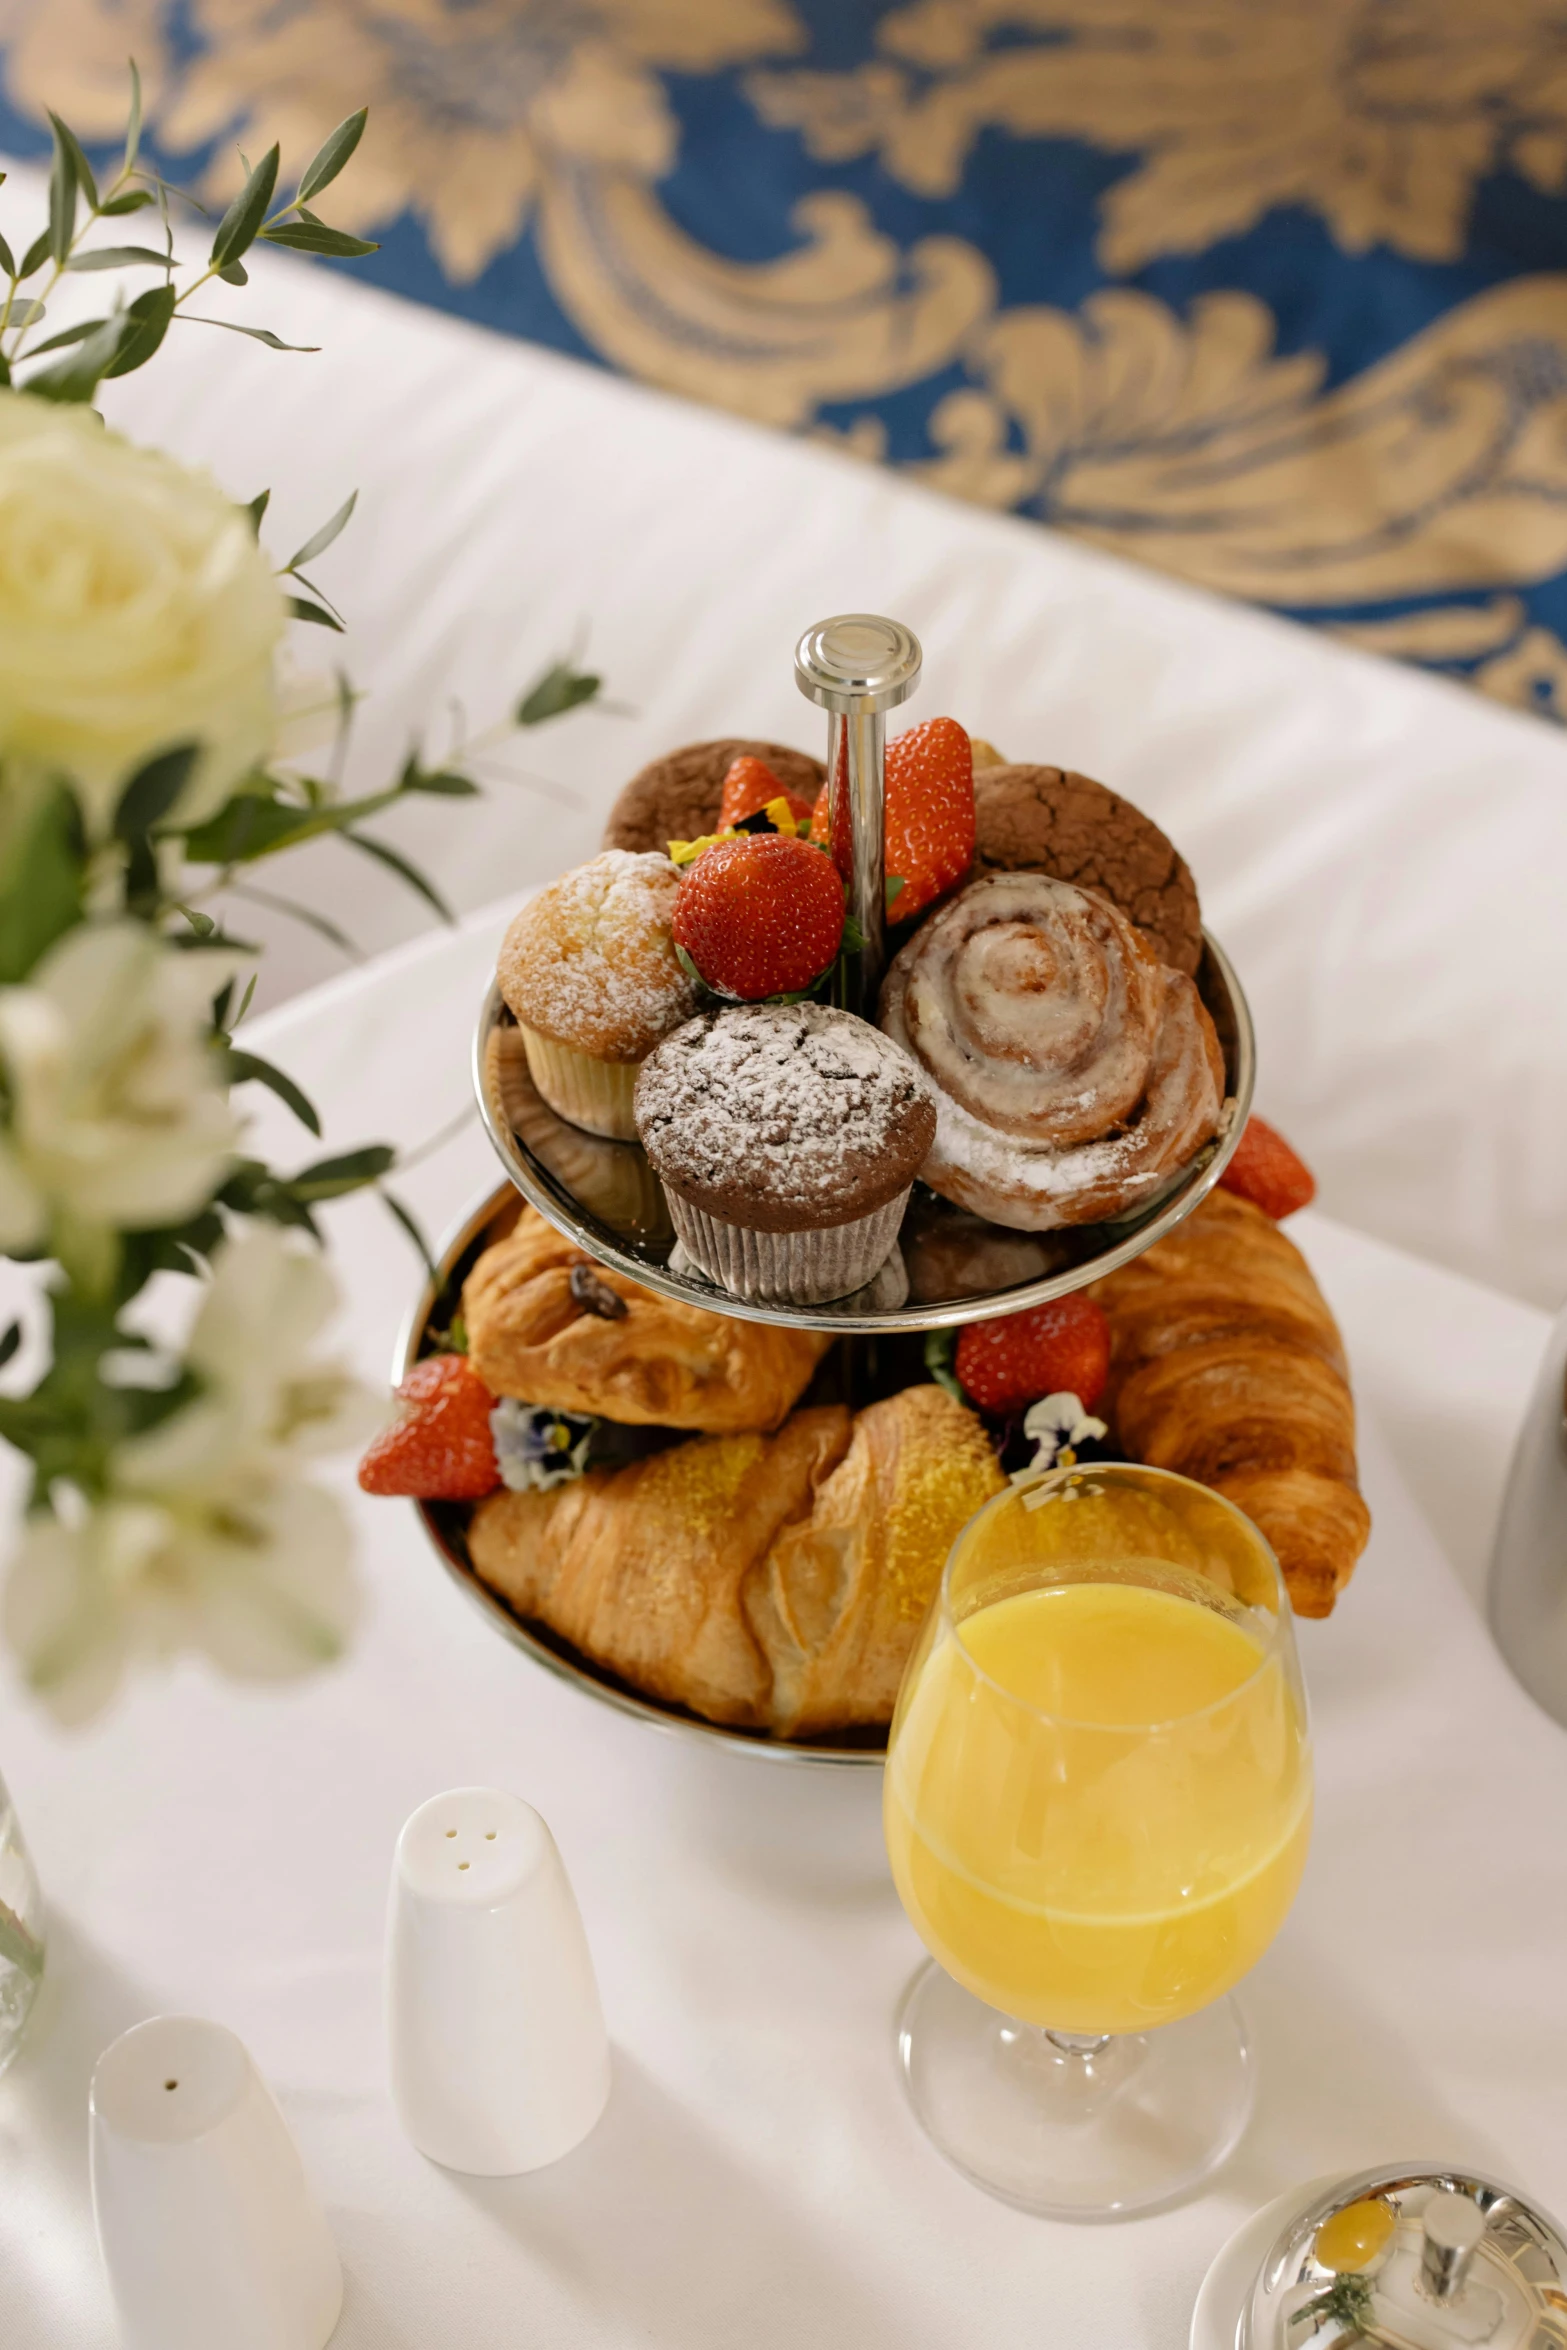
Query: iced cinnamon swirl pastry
[[1074, 1072]]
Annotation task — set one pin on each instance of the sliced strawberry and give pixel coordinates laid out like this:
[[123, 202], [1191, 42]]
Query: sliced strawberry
[[439, 1448], [759, 916], [1054, 1349], [930, 815], [1267, 1172], [749, 785]]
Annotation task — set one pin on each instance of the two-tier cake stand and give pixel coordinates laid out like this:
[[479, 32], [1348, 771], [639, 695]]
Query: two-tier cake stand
[[605, 1197]]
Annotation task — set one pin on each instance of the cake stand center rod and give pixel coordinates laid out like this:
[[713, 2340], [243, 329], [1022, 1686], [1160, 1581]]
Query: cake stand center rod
[[857, 667]]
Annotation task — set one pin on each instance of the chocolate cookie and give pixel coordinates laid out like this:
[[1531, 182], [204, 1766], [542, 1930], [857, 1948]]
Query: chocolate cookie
[[1077, 830], [676, 797]]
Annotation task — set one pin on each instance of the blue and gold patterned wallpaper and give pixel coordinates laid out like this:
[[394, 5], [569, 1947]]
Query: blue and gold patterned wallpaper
[[1271, 294]]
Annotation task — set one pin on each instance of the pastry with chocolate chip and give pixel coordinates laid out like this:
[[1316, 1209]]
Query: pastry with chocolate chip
[[547, 1325]]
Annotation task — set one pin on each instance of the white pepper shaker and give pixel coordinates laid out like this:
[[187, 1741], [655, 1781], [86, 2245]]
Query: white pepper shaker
[[499, 2056]]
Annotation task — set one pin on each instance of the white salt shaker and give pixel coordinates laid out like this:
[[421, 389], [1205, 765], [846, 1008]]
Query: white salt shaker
[[499, 2056], [208, 2228]]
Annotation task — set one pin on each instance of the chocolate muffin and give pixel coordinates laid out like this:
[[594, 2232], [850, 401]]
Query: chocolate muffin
[[787, 1137], [676, 797], [1078, 830]]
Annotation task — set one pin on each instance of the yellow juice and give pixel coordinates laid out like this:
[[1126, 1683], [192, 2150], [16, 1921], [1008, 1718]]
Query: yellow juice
[[1098, 1800]]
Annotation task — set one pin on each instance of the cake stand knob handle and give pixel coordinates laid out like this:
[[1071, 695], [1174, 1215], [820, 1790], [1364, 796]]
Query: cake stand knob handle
[[857, 667], [1454, 2225], [857, 661]]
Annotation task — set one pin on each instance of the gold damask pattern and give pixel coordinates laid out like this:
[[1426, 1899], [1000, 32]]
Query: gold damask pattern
[[480, 109], [1181, 439], [1189, 446], [1380, 114]]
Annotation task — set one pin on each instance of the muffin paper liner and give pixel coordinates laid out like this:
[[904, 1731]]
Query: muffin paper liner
[[592, 1094], [788, 1268]]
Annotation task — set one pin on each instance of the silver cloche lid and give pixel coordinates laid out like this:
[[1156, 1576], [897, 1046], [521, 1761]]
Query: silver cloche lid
[[1415, 2257]]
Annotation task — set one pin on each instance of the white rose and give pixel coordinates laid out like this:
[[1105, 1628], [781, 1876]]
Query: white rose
[[118, 1116], [136, 612]]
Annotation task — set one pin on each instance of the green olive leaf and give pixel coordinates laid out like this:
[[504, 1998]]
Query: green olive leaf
[[257, 334], [64, 186], [559, 689], [320, 540], [313, 236], [240, 225], [330, 157], [143, 328], [120, 257]]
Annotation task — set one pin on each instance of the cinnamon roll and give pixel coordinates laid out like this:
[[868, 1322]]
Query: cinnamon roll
[[1074, 1072]]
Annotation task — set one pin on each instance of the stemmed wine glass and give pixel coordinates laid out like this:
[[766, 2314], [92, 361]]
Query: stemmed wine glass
[[1097, 1808]]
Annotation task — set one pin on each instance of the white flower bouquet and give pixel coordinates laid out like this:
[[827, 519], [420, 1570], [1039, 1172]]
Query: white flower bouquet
[[141, 622]]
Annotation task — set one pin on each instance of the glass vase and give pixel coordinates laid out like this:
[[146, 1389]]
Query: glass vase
[[21, 1932]]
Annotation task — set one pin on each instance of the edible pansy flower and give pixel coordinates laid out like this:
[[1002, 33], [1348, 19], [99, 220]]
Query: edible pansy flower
[[538, 1448], [1057, 1427]]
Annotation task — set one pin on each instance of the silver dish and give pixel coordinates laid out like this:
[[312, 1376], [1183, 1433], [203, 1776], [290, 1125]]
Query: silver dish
[[1501, 2279], [443, 1522], [606, 1198]]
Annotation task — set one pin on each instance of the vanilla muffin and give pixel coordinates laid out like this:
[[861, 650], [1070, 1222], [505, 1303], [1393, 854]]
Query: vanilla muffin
[[591, 976], [786, 1137]]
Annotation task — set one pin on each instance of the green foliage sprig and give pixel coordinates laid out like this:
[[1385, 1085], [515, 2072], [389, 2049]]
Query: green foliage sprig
[[96, 349], [142, 878]]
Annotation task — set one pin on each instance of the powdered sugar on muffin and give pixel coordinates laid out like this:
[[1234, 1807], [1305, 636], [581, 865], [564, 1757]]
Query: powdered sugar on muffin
[[782, 1117], [589, 963]]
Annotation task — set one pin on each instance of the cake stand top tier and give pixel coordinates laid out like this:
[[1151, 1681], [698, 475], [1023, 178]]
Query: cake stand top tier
[[605, 1197]]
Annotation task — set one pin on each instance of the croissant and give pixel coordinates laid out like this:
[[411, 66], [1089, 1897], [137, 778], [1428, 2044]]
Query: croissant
[[841, 1595], [641, 1567], [771, 1583], [1227, 1366], [547, 1325]]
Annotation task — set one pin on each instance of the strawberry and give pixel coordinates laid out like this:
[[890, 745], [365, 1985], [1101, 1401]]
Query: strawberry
[[760, 915], [930, 814], [1054, 1349], [439, 1448], [1266, 1171], [750, 784]]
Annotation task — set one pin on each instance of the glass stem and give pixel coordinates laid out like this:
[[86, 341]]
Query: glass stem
[[18, 1946], [1078, 2043]]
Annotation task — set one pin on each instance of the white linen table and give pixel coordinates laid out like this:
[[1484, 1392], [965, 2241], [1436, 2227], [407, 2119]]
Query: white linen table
[[756, 2179]]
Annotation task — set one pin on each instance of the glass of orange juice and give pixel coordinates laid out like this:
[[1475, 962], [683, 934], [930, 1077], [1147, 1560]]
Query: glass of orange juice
[[1097, 1808]]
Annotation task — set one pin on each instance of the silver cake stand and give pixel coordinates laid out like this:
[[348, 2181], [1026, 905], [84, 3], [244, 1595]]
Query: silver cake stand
[[605, 1197]]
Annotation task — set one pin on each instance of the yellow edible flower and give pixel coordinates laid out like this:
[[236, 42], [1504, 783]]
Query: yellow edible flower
[[686, 852]]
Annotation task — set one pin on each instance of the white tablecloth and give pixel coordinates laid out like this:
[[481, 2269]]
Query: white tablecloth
[[756, 2179]]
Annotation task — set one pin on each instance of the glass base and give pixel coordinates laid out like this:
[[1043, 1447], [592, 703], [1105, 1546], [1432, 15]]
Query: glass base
[[1070, 2127]]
